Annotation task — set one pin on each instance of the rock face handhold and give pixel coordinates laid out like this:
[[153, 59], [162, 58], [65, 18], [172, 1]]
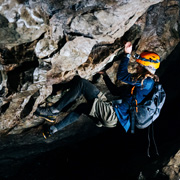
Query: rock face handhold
[[73, 54]]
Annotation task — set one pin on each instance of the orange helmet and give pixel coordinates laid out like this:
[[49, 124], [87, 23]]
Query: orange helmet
[[149, 60]]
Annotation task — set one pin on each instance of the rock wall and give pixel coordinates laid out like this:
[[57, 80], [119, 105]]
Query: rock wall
[[46, 43], [53, 41]]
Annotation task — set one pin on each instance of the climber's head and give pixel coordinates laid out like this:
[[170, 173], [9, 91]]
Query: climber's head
[[149, 60]]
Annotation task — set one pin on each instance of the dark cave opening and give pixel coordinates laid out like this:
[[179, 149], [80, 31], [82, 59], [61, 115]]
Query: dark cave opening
[[5, 107], [20, 75], [28, 107]]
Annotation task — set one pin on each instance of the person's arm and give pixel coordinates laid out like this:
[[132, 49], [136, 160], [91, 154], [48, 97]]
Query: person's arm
[[123, 73], [110, 85], [116, 91]]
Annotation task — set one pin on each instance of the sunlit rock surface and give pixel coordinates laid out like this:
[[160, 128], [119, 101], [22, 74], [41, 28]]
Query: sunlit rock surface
[[46, 43]]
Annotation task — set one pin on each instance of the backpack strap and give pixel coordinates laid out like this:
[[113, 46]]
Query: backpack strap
[[133, 110]]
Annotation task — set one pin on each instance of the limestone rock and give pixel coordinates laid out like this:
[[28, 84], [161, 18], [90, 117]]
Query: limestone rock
[[73, 54], [59, 40], [172, 168], [58, 43], [23, 24], [161, 33]]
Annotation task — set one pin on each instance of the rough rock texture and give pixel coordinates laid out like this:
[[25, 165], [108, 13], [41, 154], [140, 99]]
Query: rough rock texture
[[172, 168], [44, 43]]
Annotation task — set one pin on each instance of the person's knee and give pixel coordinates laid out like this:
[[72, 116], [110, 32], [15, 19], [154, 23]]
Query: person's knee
[[77, 79]]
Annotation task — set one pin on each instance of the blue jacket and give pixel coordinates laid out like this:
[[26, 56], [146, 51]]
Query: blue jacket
[[122, 110]]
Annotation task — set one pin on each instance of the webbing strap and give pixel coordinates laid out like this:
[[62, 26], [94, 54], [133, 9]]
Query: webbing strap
[[133, 110], [149, 141], [132, 92], [154, 140]]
